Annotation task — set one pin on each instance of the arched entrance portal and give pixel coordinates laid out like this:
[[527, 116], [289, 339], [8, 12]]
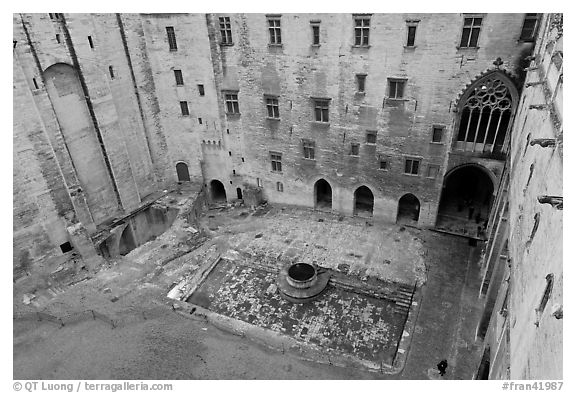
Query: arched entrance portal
[[217, 191], [363, 202], [323, 195], [182, 172], [466, 200], [408, 210]]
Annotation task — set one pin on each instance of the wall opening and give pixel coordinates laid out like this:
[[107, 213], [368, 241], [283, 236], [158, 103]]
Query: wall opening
[[217, 191], [182, 172], [127, 241], [484, 369], [408, 210], [466, 199], [66, 247], [323, 195], [239, 193], [363, 202]]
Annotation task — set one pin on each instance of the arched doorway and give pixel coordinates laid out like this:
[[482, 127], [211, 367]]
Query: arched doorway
[[127, 242], [182, 172], [217, 191], [466, 200], [363, 202], [323, 195], [408, 209], [239, 193]]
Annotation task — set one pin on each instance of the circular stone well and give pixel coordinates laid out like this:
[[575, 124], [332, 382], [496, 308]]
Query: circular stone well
[[301, 282]]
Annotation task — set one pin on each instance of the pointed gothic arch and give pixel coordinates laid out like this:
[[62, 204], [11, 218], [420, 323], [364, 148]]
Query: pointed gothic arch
[[486, 109]]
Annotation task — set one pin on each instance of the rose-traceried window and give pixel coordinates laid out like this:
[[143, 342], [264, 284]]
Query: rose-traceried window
[[486, 116]]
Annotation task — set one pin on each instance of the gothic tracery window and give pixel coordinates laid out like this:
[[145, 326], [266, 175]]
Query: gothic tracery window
[[486, 114]]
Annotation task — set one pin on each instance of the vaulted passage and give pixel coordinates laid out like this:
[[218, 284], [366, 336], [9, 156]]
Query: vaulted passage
[[323, 195], [408, 210], [182, 171], [363, 201], [466, 200], [217, 191]]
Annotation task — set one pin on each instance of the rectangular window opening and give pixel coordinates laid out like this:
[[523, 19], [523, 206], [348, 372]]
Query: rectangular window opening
[[274, 30], [111, 71], [231, 101], [171, 38], [178, 77], [276, 160], [471, 32], [529, 27], [437, 134], [199, 120], [225, 30], [90, 42], [272, 107], [35, 83], [383, 165], [308, 147], [321, 110], [66, 247], [396, 88], [411, 39], [58, 38], [184, 108], [411, 166], [201, 90], [433, 171], [371, 137], [259, 182], [361, 82], [354, 149], [279, 187], [361, 30], [315, 33]]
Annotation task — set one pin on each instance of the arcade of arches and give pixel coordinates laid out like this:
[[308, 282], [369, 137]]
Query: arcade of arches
[[466, 199]]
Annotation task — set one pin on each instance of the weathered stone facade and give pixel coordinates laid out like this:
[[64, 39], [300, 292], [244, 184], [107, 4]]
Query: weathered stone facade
[[101, 122]]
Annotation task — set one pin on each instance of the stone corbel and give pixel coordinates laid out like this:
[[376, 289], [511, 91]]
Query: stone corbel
[[543, 142], [554, 201]]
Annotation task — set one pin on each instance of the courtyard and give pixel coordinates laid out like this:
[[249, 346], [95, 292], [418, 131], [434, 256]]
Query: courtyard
[[152, 339]]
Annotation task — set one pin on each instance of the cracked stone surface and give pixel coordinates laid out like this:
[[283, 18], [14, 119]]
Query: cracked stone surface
[[362, 326]]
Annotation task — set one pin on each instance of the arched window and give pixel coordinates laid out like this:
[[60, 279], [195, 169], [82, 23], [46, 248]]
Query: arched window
[[486, 111]]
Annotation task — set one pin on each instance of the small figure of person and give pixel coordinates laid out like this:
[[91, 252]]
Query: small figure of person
[[442, 367]]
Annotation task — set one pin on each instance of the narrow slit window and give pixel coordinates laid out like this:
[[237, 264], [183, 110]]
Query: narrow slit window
[[111, 71], [279, 187], [178, 77], [315, 33], [90, 42], [184, 108], [171, 38], [201, 90], [35, 83], [361, 83], [411, 39], [199, 120], [58, 38]]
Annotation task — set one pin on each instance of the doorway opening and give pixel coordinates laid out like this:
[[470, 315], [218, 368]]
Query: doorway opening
[[323, 194], [408, 210], [217, 191], [363, 202]]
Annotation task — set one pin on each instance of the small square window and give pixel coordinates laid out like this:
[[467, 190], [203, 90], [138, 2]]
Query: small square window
[[231, 101], [201, 90], [309, 149], [178, 77], [396, 88], [383, 165], [272, 107], [371, 137], [184, 108], [225, 30], [354, 149], [433, 171], [276, 160], [66, 247], [321, 110], [437, 132], [360, 83], [411, 166]]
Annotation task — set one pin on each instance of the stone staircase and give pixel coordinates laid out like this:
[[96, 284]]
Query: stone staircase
[[403, 299]]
